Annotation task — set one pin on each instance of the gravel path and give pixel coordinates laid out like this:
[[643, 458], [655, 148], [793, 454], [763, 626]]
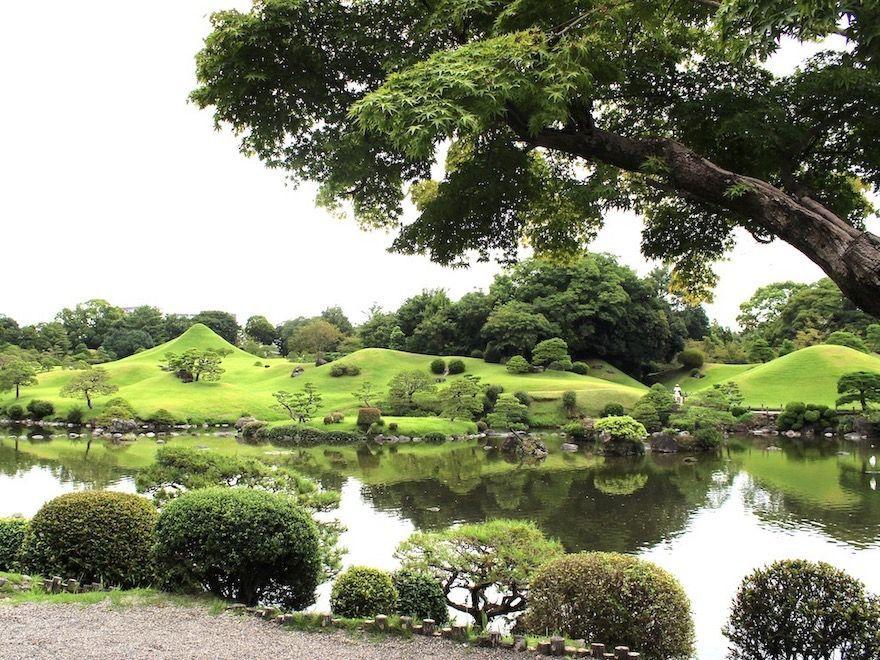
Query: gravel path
[[75, 631]]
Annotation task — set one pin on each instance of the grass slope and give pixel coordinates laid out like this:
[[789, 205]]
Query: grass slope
[[248, 384], [713, 373], [809, 375]]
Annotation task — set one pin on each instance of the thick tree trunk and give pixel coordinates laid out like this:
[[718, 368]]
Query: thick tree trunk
[[848, 256]]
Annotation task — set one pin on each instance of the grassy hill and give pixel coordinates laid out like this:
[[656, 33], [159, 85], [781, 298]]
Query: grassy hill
[[248, 383], [712, 373], [809, 375]]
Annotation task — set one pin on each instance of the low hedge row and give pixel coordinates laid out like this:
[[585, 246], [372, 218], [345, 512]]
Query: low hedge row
[[303, 436]]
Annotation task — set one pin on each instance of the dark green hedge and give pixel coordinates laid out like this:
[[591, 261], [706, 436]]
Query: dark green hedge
[[363, 592], [304, 436], [420, 595], [12, 533], [239, 543], [93, 536]]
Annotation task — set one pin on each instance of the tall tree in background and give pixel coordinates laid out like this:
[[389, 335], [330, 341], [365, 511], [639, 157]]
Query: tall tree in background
[[223, 323], [337, 317], [260, 330], [570, 109], [91, 322]]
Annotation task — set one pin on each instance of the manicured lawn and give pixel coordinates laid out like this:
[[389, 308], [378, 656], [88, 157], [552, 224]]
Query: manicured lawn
[[712, 373], [248, 384], [809, 375]]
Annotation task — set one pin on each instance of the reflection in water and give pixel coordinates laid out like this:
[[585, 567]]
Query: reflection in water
[[709, 522]]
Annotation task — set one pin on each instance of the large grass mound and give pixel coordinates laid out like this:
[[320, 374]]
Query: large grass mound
[[248, 383], [809, 375]]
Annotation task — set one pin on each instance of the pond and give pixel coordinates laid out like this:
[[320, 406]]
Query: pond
[[709, 522]]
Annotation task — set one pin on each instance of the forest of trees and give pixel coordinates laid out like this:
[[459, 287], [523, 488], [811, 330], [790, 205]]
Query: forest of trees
[[600, 308]]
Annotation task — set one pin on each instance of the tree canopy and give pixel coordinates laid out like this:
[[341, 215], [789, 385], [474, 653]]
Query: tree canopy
[[570, 110]]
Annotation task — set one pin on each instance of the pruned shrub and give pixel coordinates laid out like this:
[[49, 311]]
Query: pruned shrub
[[368, 416], [393, 426], [580, 368], [435, 437], [419, 595], [12, 533], [523, 397], [691, 358], [576, 431], [75, 416], [334, 418], [15, 412], [549, 351], [482, 427], [646, 414], [518, 365], [251, 430], [338, 369], [239, 543], [93, 536], [492, 354], [456, 367], [620, 599], [304, 436], [40, 409], [438, 366], [162, 417], [560, 365], [613, 410], [362, 592], [796, 415], [802, 609], [570, 403], [477, 353]]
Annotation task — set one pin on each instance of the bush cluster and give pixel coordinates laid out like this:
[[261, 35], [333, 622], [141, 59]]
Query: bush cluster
[[15, 412], [334, 418], [338, 369], [691, 359], [772, 618], [239, 543], [456, 367], [304, 436], [570, 403], [560, 365], [797, 415], [613, 410], [618, 598], [580, 368], [419, 595], [368, 416], [434, 437], [93, 536], [576, 431], [518, 365], [162, 417], [40, 409], [362, 592], [75, 416], [12, 533]]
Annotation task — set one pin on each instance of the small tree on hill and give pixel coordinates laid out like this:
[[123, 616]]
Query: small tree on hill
[[196, 364], [300, 406], [89, 383], [550, 350], [404, 386], [461, 399], [15, 374], [861, 386], [365, 394], [509, 414]]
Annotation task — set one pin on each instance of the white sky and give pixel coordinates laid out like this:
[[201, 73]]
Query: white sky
[[113, 186]]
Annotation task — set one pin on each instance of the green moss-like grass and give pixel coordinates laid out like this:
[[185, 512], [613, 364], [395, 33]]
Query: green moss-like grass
[[247, 387], [809, 375]]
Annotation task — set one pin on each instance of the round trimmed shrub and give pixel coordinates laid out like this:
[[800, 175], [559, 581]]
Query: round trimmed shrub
[[456, 367], [12, 533], [523, 397], [620, 599], [362, 592], [691, 359], [15, 412], [368, 416], [580, 368], [40, 409], [560, 365], [576, 431], [518, 365], [419, 595], [93, 536], [613, 410], [772, 618], [238, 543], [438, 366], [163, 417]]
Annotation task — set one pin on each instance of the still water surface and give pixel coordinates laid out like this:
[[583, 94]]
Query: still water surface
[[709, 523]]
